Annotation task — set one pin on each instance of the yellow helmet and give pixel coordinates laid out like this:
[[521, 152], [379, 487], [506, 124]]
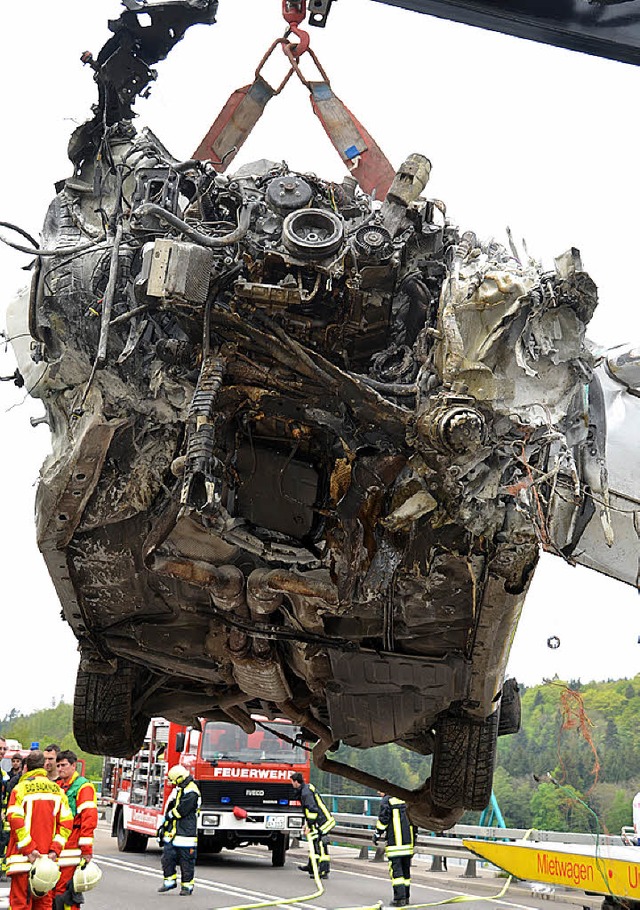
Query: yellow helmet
[[177, 774], [43, 876], [86, 877]]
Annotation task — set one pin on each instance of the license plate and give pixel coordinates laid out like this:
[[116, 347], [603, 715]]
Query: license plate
[[276, 821]]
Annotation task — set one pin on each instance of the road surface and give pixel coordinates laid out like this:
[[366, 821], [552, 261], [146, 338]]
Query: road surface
[[235, 878]]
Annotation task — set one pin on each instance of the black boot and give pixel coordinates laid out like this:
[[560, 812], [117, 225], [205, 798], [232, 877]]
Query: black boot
[[167, 887]]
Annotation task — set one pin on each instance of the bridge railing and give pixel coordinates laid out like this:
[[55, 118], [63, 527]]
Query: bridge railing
[[357, 830], [361, 826]]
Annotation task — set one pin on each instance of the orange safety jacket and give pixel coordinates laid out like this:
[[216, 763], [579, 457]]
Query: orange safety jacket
[[83, 803], [39, 819]]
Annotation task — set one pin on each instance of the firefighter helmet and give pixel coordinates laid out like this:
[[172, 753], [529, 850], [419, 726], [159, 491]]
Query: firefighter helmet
[[177, 774], [86, 876], [43, 876]]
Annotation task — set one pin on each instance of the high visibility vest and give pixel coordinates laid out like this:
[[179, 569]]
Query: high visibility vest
[[315, 811], [39, 818], [181, 815], [83, 803], [393, 823]]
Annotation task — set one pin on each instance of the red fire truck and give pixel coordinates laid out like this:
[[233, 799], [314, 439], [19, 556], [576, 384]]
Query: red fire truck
[[247, 797]]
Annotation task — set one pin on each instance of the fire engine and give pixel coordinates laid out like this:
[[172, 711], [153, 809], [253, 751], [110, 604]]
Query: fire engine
[[247, 797]]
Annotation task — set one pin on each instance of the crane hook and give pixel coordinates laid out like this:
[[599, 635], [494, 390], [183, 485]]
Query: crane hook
[[294, 13]]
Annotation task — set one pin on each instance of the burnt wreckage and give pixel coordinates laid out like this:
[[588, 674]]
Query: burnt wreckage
[[306, 445]]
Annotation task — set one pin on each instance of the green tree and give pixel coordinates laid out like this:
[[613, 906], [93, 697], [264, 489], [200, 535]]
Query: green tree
[[546, 808], [51, 725], [619, 813]]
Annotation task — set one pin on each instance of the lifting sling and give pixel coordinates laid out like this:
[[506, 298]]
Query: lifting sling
[[360, 153]]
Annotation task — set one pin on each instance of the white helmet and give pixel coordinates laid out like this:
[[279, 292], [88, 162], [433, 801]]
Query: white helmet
[[177, 774], [43, 876], [86, 877]]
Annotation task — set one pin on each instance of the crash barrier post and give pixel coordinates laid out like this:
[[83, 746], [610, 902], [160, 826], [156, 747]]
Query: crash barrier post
[[357, 831]]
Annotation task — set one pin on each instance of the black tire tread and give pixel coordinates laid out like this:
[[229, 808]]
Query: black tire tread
[[130, 841], [510, 709], [463, 762], [103, 713], [279, 852]]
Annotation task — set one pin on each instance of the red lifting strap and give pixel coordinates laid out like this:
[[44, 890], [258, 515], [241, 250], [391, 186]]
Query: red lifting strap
[[362, 155], [233, 124]]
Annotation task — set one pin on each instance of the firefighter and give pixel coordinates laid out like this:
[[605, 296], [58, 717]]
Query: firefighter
[[83, 804], [40, 822], [394, 826], [4, 799], [319, 822], [51, 754], [17, 769], [178, 833]]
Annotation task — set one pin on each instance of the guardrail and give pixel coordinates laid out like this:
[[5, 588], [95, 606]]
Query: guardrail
[[370, 804], [357, 830]]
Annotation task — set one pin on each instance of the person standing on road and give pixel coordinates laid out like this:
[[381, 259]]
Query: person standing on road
[[178, 833], [51, 754], [394, 826], [40, 822], [319, 822], [17, 769], [4, 799], [83, 804], [16, 772]]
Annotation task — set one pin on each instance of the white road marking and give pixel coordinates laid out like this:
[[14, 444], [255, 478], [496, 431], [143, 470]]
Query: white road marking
[[415, 884], [233, 890], [127, 865]]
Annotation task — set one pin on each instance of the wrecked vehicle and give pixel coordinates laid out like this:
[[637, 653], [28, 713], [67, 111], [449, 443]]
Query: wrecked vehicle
[[306, 445]]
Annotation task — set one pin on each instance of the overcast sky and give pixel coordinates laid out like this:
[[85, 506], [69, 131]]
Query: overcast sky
[[540, 139]]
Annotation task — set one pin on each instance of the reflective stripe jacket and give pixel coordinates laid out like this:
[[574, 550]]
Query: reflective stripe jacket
[[4, 799], [393, 823], [316, 813], [85, 821], [180, 826], [39, 819]]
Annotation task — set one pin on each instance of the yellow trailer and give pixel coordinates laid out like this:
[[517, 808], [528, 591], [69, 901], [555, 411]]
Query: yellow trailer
[[613, 871]]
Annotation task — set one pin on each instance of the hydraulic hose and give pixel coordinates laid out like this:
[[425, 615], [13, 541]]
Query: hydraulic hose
[[244, 221], [95, 244], [278, 901]]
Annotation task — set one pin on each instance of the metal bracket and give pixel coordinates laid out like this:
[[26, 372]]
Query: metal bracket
[[319, 12]]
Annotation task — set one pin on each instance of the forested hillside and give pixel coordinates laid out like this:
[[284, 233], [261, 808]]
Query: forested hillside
[[589, 741], [586, 736], [597, 752], [51, 725]]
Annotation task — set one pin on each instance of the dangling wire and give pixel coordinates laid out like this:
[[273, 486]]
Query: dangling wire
[[575, 717]]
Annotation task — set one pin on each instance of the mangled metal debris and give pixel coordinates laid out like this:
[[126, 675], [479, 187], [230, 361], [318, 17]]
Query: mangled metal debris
[[306, 447]]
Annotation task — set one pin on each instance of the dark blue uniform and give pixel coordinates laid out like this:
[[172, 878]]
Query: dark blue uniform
[[319, 822], [394, 826]]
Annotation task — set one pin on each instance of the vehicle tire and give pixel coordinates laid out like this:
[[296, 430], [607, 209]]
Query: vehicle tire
[[510, 708], [104, 719], [463, 761], [129, 841], [279, 850]]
